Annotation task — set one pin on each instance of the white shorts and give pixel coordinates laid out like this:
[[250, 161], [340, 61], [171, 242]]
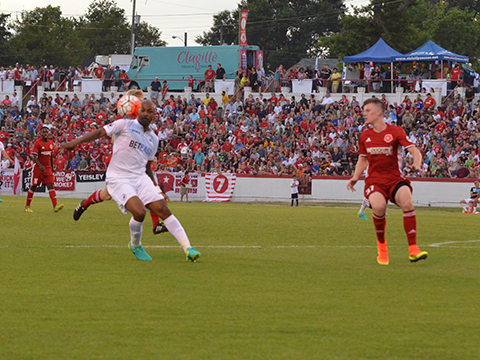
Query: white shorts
[[468, 201], [122, 190]]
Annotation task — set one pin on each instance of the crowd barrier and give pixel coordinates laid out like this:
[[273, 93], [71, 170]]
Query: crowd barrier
[[249, 188]]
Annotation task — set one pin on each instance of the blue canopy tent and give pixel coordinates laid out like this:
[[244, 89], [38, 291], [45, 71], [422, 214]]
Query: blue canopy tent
[[381, 52], [432, 52]]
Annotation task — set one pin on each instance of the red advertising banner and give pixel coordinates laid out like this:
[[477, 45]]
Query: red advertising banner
[[243, 27], [65, 180], [171, 183]]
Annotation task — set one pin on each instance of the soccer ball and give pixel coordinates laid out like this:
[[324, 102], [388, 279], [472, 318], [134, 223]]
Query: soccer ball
[[128, 106]]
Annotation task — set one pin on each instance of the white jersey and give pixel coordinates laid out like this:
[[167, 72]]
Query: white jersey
[[132, 149], [294, 186]]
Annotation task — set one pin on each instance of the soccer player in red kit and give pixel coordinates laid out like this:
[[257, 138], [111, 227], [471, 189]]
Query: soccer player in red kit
[[42, 170], [380, 150]]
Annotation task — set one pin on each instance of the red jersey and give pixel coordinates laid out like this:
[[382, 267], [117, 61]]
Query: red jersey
[[99, 72], [185, 180], [384, 153], [43, 150], [455, 74], [429, 102], [209, 74]]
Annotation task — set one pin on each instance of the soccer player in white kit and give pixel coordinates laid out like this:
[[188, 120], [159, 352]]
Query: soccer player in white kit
[[130, 180], [4, 153]]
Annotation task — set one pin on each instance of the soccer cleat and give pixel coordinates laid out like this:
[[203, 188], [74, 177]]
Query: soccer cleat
[[192, 254], [362, 216], [159, 228], [78, 210], [27, 209], [382, 251], [1, 200], [57, 207], [466, 212], [416, 254], [139, 252]]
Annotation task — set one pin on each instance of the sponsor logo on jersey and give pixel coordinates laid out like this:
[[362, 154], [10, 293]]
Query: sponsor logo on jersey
[[380, 150], [46, 153], [388, 138], [138, 145]]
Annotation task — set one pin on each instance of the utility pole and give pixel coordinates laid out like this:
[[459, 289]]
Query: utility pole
[[133, 27]]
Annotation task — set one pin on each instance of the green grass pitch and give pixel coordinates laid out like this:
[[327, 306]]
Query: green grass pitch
[[273, 282]]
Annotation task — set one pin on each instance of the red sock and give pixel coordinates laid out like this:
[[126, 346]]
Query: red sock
[[53, 197], [410, 226], [92, 199], [30, 194], [379, 222], [155, 218]]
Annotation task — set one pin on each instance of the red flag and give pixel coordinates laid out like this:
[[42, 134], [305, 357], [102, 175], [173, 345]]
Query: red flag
[[16, 178], [243, 27]]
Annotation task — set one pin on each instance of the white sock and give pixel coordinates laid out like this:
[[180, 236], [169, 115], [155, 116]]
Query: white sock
[[136, 229], [364, 206], [176, 229], [465, 207]]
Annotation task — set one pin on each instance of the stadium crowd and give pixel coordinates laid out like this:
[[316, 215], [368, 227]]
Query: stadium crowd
[[270, 134]]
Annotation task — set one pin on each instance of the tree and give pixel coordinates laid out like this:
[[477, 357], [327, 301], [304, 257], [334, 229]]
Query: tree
[[405, 26], [106, 29], [148, 35], [286, 30], [398, 23], [42, 36], [5, 36]]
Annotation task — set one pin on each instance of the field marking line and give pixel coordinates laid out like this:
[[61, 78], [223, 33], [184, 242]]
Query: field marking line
[[453, 242]]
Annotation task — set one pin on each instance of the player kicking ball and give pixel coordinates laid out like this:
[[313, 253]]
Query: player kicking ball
[[103, 195], [42, 170], [130, 180], [379, 148]]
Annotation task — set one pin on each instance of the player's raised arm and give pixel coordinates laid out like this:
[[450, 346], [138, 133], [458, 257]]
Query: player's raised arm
[[362, 164], [91, 136]]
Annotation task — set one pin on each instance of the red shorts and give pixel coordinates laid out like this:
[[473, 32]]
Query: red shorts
[[384, 187], [44, 178]]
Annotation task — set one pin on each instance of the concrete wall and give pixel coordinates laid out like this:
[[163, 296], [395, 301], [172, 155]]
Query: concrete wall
[[273, 189]]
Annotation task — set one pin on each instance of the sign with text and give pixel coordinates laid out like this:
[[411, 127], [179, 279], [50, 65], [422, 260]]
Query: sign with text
[[64, 180], [170, 182], [90, 176]]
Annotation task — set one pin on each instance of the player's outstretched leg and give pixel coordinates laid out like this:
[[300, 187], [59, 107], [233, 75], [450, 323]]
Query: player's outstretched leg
[[158, 226], [53, 197], [1, 200], [97, 197], [361, 212], [177, 230], [135, 244]]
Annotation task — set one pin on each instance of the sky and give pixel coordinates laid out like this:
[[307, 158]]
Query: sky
[[173, 17]]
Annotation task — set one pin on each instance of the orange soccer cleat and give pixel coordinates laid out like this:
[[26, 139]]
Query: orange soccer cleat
[[416, 254], [382, 257]]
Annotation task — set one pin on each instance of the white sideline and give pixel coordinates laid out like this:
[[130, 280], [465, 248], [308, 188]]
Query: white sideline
[[256, 246]]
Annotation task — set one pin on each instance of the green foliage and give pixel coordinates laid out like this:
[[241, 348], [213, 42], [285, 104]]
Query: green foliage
[[44, 36], [148, 35], [405, 26], [286, 31], [106, 28], [264, 288]]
